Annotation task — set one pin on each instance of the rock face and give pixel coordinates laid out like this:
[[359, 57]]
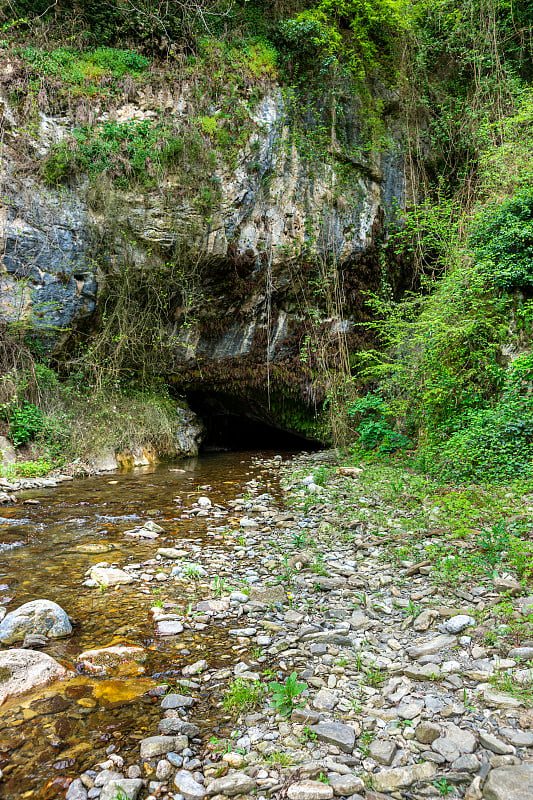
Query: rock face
[[37, 617], [23, 670], [275, 208]]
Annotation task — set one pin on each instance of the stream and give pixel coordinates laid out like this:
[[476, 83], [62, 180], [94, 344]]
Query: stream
[[51, 734]]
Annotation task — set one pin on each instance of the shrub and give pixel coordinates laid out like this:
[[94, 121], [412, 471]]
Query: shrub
[[375, 432], [502, 242], [25, 422]]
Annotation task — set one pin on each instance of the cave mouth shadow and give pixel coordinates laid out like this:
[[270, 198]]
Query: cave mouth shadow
[[230, 425]]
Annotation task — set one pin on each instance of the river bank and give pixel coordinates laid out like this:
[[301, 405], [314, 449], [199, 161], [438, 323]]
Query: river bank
[[393, 600]]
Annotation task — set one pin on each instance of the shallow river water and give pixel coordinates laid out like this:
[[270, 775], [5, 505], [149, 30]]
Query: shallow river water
[[45, 551]]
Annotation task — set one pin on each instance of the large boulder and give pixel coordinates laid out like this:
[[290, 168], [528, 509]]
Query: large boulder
[[510, 783], [23, 670], [36, 617]]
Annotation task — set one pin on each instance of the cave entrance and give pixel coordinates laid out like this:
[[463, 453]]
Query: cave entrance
[[233, 425]]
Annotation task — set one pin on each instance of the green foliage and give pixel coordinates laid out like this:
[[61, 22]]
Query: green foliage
[[80, 68], [502, 242], [125, 151], [284, 694], [375, 432], [25, 422], [26, 469], [357, 34], [243, 695]]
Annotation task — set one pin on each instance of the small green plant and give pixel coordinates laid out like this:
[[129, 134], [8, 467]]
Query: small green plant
[[308, 735], [375, 677], [284, 694], [299, 540], [364, 742], [323, 778], [158, 604], [277, 758], [445, 788], [243, 695]]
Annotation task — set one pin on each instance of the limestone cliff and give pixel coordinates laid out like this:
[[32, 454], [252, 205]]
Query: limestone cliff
[[278, 214]]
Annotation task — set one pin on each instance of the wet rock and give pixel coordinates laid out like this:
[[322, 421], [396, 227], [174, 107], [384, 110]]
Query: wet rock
[[196, 668], [169, 627], [106, 659], [401, 777], [76, 791], [187, 786], [150, 530], [174, 700], [342, 736], [23, 670], [109, 576], [41, 617], [155, 746], [309, 790], [233, 784], [510, 783], [125, 788]]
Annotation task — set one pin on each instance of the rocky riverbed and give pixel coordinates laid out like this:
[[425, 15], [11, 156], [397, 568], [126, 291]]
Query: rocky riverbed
[[397, 696]]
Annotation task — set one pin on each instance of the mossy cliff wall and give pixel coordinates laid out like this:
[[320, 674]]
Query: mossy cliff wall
[[253, 213]]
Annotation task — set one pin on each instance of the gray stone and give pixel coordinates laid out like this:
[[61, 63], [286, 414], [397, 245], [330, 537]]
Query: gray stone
[[409, 709], [76, 791], [309, 790], [345, 785], [129, 788], [500, 699], [494, 744], [174, 700], [171, 726], [466, 763], [388, 780], [510, 783], [518, 738], [454, 742], [343, 736], [232, 784], [155, 746], [23, 670], [459, 623], [383, 751], [433, 646], [36, 617], [169, 627], [110, 576], [325, 700], [525, 604], [187, 786], [521, 653], [427, 732], [8, 454], [304, 716]]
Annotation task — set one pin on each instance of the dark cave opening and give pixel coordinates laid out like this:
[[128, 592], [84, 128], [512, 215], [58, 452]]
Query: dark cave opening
[[235, 425]]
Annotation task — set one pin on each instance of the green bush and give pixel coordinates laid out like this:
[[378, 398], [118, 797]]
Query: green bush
[[25, 422], [374, 429], [502, 242]]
